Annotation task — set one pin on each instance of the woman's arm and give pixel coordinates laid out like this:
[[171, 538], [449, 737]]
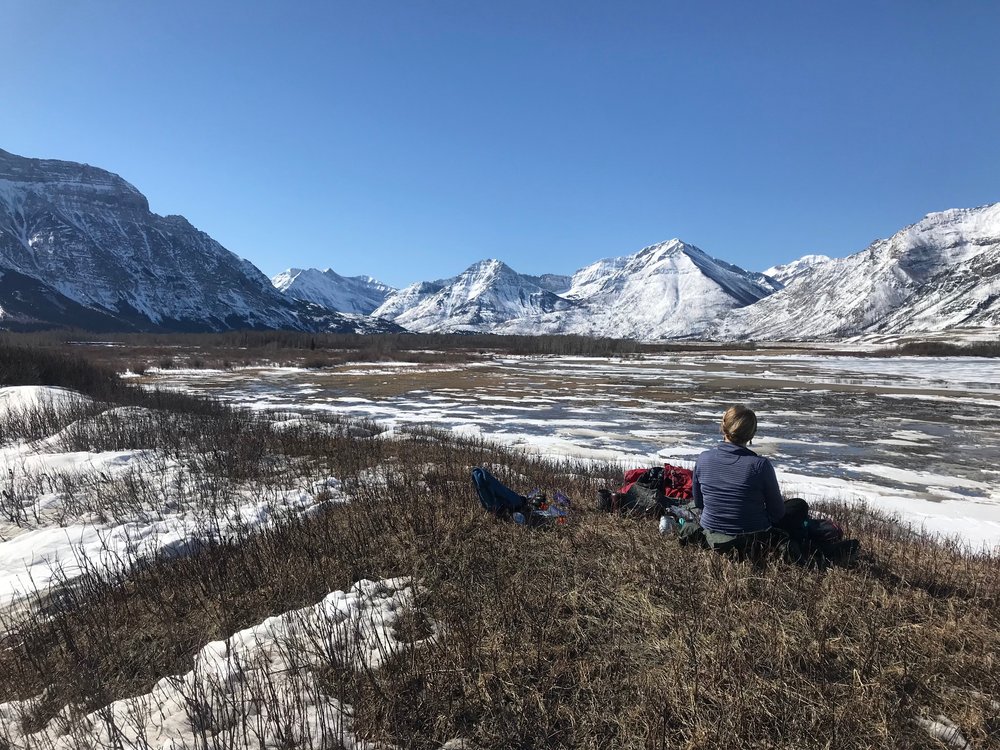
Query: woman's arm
[[699, 501], [773, 502]]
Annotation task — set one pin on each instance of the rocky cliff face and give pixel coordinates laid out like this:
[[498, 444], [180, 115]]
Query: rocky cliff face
[[28, 304], [90, 235]]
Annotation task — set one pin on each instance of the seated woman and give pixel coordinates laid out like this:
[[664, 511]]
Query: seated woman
[[736, 489]]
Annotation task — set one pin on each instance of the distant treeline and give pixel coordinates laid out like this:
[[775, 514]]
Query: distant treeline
[[31, 365], [34, 365], [942, 349], [376, 343]]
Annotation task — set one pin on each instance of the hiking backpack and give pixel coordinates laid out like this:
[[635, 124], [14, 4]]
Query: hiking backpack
[[648, 492]]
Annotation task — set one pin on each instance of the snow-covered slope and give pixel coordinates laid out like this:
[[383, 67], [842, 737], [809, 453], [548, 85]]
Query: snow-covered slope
[[667, 290], [484, 296], [939, 273], [966, 295], [553, 282], [588, 280], [409, 297], [786, 273], [348, 294]]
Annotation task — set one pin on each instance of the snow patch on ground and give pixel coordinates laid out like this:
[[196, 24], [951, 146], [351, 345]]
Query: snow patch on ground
[[28, 398], [34, 560], [262, 687], [60, 523]]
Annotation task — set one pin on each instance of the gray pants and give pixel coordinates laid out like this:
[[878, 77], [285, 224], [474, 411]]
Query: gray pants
[[754, 545]]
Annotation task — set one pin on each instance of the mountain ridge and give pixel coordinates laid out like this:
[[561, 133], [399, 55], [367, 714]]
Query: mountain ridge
[[884, 288], [635, 296], [347, 294], [79, 244]]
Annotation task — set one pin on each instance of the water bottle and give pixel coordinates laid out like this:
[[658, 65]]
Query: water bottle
[[668, 524]]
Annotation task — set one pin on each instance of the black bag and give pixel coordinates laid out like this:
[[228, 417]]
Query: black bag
[[645, 497], [820, 538], [824, 531]]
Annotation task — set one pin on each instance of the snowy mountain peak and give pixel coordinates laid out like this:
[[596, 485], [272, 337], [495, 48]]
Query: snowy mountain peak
[[662, 249], [348, 294], [485, 296], [488, 265], [786, 273], [664, 290]]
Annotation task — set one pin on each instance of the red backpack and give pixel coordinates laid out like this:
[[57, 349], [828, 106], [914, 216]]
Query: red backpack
[[649, 491], [673, 481]]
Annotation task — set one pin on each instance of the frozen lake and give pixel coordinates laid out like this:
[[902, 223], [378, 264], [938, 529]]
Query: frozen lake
[[914, 435]]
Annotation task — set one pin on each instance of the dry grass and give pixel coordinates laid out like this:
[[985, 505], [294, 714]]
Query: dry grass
[[598, 634]]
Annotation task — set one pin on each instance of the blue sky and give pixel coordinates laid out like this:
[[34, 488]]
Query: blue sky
[[408, 139]]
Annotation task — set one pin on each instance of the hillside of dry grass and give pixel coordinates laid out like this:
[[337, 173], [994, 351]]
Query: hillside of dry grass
[[598, 634]]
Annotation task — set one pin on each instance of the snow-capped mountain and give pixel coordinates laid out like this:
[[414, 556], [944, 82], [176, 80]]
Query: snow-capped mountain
[[485, 296], [939, 273], [786, 273], [667, 290], [89, 236], [349, 294]]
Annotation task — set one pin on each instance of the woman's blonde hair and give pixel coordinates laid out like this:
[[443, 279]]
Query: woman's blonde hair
[[739, 424]]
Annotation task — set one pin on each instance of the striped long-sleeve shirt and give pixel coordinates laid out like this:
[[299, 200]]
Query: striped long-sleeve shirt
[[737, 490]]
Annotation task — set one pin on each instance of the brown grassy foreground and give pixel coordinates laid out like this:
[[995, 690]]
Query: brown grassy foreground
[[599, 634]]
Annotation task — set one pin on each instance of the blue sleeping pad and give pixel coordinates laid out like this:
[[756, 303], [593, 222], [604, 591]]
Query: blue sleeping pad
[[495, 497]]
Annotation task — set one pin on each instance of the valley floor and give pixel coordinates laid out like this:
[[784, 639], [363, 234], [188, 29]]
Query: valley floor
[[909, 434]]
